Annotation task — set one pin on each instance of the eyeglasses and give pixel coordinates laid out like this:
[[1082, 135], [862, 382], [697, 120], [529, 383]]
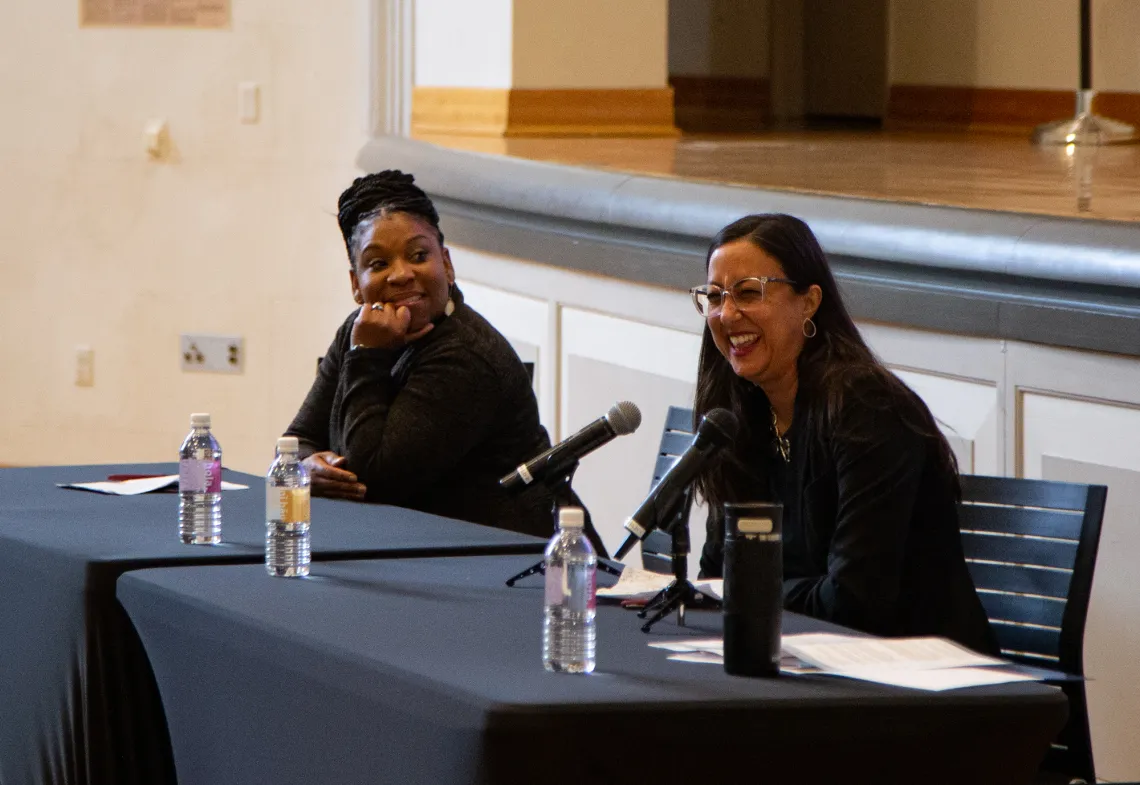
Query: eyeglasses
[[746, 293]]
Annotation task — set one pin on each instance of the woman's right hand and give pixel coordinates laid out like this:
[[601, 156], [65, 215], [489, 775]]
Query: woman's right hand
[[385, 326], [330, 479]]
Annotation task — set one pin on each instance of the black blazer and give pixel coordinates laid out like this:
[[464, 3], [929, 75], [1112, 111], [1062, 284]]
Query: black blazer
[[871, 538]]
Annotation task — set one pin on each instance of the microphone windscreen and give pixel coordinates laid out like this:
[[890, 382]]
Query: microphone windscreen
[[624, 417], [719, 426]]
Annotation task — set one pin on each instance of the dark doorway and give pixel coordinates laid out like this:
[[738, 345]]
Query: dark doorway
[[743, 65]]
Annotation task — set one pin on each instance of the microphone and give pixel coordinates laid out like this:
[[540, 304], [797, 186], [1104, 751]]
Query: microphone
[[716, 430], [622, 418]]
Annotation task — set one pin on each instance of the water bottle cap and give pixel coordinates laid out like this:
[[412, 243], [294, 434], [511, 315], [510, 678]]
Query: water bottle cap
[[288, 444], [571, 518], [200, 420]]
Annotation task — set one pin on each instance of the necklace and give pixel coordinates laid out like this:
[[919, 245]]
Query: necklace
[[782, 443]]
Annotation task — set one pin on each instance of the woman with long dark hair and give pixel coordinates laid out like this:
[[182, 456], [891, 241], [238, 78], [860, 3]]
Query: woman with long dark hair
[[868, 483]]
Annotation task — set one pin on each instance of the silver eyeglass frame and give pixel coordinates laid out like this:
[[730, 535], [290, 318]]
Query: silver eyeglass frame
[[704, 289]]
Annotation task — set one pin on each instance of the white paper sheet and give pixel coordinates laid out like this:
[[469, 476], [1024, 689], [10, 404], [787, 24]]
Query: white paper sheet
[[935, 679], [839, 654], [914, 663], [139, 486], [711, 645], [704, 657], [637, 584]]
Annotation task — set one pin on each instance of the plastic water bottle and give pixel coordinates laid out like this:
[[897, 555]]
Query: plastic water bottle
[[200, 485], [287, 513], [568, 634]]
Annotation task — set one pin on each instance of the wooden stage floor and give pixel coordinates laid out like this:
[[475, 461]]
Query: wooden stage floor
[[973, 171]]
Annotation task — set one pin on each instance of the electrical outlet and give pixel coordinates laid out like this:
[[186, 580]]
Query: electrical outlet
[[84, 366], [212, 353]]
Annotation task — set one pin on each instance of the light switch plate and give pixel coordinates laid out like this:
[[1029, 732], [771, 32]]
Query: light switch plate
[[249, 102], [84, 366], [212, 353]]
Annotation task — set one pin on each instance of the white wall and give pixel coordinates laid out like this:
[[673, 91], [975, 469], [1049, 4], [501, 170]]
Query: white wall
[[236, 234], [459, 43]]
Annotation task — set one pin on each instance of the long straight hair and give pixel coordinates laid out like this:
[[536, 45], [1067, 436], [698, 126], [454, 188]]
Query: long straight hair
[[833, 365]]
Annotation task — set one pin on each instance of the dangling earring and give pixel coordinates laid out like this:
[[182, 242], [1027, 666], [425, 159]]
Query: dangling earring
[[452, 290], [809, 325]]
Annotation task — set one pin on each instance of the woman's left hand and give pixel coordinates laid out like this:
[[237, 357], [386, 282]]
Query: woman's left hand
[[384, 326]]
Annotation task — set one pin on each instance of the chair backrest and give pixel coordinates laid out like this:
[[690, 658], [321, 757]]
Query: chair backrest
[[1031, 548], [657, 547]]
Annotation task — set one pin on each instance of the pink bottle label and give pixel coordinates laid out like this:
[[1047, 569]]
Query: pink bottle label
[[554, 588], [199, 476]]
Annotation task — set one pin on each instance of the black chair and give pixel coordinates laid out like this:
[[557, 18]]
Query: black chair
[[657, 547], [1031, 548]]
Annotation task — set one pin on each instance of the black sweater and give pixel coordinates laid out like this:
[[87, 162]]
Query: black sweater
[[432, 426], [871, 537]]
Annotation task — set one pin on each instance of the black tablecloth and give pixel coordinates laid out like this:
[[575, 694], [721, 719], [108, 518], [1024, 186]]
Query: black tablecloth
[[78, 704], [429, 671]]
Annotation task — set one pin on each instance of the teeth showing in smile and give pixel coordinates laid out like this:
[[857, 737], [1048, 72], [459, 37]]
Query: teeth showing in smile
[[743, 340]]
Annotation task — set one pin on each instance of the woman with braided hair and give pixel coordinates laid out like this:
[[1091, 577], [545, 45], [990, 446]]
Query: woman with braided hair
[[419, 402]]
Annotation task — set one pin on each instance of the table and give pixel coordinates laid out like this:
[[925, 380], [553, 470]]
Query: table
[[429, 671], [78, 702]]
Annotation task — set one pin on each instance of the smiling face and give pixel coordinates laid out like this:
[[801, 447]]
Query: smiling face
[[399, 260], [763, 342]]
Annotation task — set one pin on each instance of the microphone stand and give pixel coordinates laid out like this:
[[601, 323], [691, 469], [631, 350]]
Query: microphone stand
[[563, 497], [681, 592]]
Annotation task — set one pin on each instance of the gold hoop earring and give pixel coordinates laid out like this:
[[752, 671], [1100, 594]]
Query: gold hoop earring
[[809, 323]]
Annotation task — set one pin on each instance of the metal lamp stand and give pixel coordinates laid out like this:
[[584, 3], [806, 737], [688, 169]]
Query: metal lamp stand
[[1085, 128]]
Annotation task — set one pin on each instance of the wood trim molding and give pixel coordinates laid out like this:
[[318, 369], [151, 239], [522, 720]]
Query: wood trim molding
[[459, 110], [532, 112], [706, 104], [934, 107], [1124, 107]]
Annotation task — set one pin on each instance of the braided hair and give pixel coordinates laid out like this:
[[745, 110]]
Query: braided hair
[[373, 196]]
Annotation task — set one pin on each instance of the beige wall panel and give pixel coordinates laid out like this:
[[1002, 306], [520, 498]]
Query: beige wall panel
[[1116, 45], [590, 44], [985, 43], [1112, 633]]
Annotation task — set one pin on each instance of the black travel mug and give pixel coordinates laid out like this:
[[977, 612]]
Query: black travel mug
[[753, 588]]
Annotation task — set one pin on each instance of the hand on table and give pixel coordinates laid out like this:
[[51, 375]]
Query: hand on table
[[331, 479]]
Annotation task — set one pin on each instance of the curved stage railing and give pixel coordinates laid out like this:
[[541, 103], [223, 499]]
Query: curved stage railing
[[1057, 281]]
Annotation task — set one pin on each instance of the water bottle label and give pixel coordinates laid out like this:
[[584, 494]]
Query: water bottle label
[[288, 505], [199, 476], [554, 585], [559, 591]]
